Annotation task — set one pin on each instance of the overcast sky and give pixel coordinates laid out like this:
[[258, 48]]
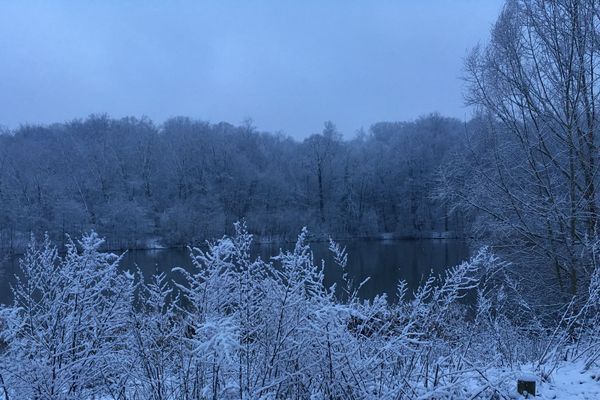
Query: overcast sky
[[288, 65]]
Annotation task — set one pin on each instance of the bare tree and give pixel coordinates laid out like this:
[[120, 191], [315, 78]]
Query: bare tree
[[322, 148], [536, 83]]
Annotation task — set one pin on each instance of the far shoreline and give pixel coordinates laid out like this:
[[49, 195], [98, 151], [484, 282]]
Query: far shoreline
[[155, 245]]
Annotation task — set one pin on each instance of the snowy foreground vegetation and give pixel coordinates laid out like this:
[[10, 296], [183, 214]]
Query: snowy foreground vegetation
[[238, 327]]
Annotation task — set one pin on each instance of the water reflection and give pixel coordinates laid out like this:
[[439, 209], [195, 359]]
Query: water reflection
[[385, 262]]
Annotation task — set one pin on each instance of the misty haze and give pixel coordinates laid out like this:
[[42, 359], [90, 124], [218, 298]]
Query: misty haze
[[299, 200]]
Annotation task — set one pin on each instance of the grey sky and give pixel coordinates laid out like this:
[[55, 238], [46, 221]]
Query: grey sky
[[289, 65]]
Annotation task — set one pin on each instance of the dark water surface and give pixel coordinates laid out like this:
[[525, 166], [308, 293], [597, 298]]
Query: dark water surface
[[385, 262]]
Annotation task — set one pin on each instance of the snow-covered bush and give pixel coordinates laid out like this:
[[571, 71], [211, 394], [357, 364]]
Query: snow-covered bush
[[65, 334], [246, 328], [153, 341]]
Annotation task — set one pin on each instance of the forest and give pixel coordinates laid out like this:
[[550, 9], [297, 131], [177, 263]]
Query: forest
[[184, 181]]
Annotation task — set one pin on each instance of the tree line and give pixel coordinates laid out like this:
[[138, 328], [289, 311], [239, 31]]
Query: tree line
[[138, 183]]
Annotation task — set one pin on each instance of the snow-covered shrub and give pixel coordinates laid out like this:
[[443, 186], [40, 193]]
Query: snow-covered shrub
[[66, 330], [246, 328], [585, 317], [153, 341], [593, 323]]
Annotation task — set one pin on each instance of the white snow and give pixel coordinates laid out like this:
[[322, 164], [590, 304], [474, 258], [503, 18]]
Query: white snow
[[570, 381]]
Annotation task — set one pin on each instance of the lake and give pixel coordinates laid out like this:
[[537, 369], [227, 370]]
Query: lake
[[384, 261]]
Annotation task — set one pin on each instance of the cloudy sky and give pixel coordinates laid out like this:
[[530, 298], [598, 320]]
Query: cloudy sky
[[288, 65]]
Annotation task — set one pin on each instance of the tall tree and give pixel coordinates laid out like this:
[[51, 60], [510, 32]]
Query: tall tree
[[536, 83], [322, 149]]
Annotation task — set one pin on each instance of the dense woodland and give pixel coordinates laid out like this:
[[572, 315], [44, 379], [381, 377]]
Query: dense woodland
[[187, 180]]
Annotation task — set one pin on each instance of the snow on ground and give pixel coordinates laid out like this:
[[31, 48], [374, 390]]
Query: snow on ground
[[154, 243], [567, 382], [570, 382]]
